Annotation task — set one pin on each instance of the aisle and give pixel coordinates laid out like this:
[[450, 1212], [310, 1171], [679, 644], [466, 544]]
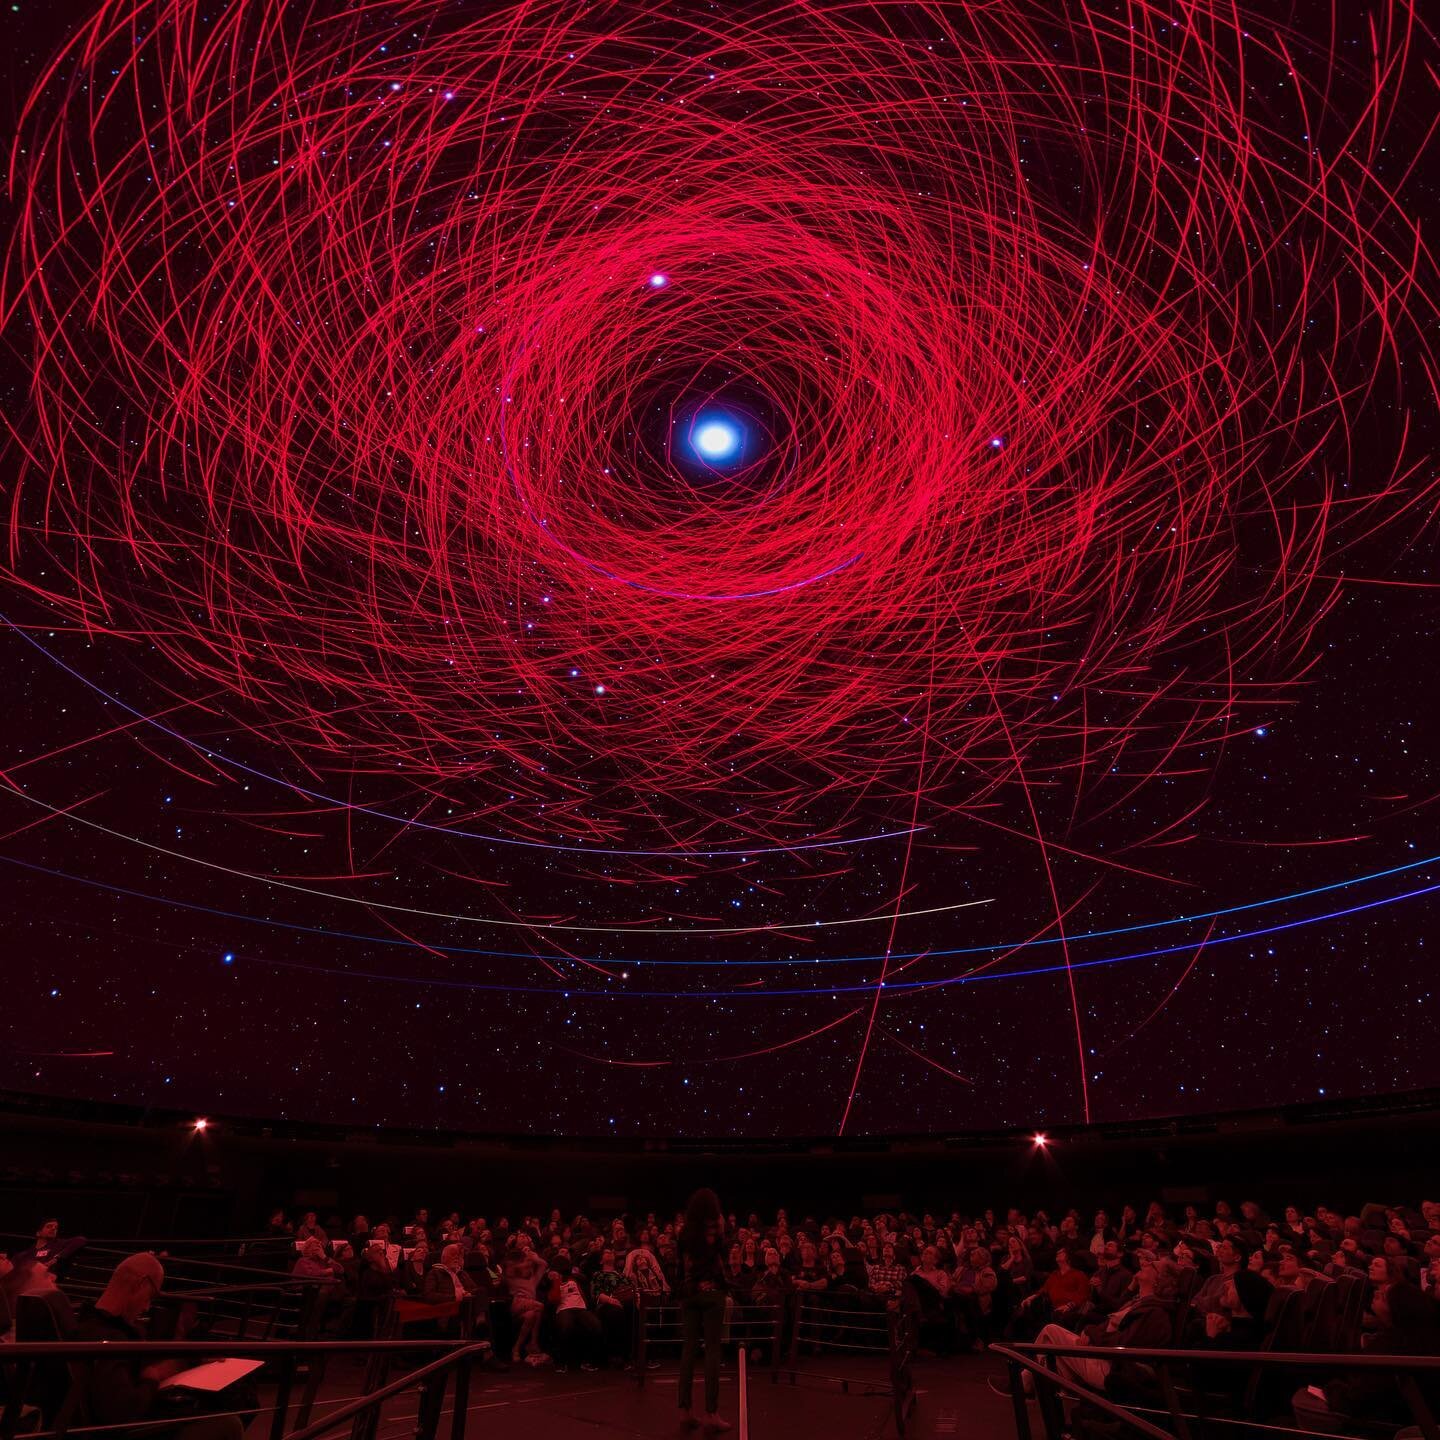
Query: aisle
[[952, 1400]]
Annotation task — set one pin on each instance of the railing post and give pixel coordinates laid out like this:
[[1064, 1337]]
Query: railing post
[[16, 1388], [1052, 1411], [642, 1306], [432, 1402], [1017, 1401], [462, 1398], [376, 1374], [314, 1378], [1419, 1406], [1167, 1386], [282, 1397]]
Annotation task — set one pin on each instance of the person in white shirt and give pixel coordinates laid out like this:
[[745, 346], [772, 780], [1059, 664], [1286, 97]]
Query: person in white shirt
[[579, 1336]]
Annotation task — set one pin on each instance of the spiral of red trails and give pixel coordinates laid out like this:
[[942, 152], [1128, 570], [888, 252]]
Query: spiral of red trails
[[353, 393]]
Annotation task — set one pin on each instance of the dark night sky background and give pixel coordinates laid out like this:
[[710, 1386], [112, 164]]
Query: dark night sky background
[[143, 977]]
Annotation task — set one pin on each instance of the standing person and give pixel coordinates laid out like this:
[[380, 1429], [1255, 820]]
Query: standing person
[[701, 1288], [523, 1269]]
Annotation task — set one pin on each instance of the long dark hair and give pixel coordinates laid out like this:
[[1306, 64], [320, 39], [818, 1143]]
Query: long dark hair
[[703, 1222]]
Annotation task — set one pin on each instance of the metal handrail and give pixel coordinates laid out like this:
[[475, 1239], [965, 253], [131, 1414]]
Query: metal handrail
[[81, 1349], [456, 1359], [127, 1241], [1073, 1388], [457, 1354], [1031, 1357], [286, 1284], [1247, 1357], [88, 1254]]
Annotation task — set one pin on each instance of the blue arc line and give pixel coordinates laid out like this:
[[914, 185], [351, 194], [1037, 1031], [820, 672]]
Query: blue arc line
[[791, 930], [897, 987], [320, 796]]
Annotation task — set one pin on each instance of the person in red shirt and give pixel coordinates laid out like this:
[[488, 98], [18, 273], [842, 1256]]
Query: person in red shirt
[[1065, 1290], [1066, 1287]]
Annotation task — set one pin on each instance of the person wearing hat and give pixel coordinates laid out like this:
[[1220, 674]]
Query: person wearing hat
[[1238, 1322]]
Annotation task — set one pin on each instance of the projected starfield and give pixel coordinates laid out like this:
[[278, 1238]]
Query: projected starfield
[[767, 569]]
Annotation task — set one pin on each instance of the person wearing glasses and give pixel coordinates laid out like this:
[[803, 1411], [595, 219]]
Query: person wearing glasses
[[125, 1389]]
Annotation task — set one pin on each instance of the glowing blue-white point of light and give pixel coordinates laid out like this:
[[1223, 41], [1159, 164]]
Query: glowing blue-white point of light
[[717, 439]]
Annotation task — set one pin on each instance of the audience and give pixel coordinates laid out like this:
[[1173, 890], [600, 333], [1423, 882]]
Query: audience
[[569, 1292]]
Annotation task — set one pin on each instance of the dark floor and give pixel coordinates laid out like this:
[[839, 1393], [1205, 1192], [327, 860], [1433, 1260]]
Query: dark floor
[[952, 1399]]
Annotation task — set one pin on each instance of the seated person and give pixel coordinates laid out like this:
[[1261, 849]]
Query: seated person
[[741, 1273], [448, 1279], [1111, 1282], [1015, 1267], [447, 1282], [359, 1234], [886, 1277], [414, 1266], [578, 1336], [28, 1282], [1238, 1324], [313, 1263], [809, 1276], [932, 1273], [927, 1292], [837, 1273], [1064, 1292], [1144, 1322], [377, 1280], [645, 1273], [1408, 1326], [1230, 1258], [973, 1287], [124, 1389], [614, 1303], [49, 1249], [310, 1228]]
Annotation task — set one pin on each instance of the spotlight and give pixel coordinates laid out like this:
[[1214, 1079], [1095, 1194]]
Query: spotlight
[[201, 1125], [1040, 1139]]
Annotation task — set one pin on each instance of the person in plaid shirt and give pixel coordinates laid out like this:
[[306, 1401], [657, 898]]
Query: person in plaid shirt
[[887, 1277]]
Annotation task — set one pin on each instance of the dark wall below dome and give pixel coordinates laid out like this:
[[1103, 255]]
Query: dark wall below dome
[[125, 1174]]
